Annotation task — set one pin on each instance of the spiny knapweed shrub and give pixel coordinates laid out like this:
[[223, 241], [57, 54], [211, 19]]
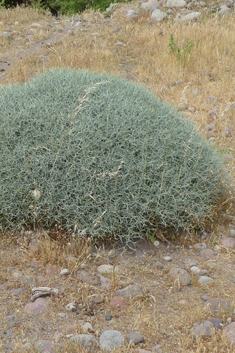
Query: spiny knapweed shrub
[[96, 154]]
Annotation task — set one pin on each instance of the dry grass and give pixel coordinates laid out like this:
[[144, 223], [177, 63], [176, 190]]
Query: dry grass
[[145, 58]]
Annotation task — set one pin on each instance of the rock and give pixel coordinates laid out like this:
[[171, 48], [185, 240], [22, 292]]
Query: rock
[[157, 349], [200, 246], [146, 8], [227, 242], [196, 92], [132, 14], [224, 11], [119, 303], [64, 272], [217, 323], [108, 317], [36, 25], [38, 307], [176, 3], [212, 115], [134, 338], [195, 270], [47, 346], [217, 248], [206, 329], [30, 37], [68, 329], [191, 17], [87, 327], [86, 277], [205, 280], [130, 291], [167, 258], [110, 340], [158, 15], [71, 307], [232, 233], [18, 291], [229, 333], [228, 132], [87, 341], [159, 265], [52, 270], [107, 269], [212, 99], [207, 254], [5, 35], [105, 283], [180, 276], [217, 305]]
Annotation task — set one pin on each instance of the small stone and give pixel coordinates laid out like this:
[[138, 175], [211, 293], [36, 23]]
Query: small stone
[[134, 338], [196, 92], [167, 258], [205, 280], [52, 270], [130, 291], [18, 291], [105, 283], [227, 242], [176, 3], [16, 275], [207, 254], [132, 14], [86, 277], [228, 132], [157, 349], [45, 346], [71, 307], [30, 37], [156, 243], [217, 248], [212, 99], [193, 16], [227, 157], [180, 276], [36, 25], [217, 305], [107, 269], [224, 10], [108, 317], [64, 272], [68, 329], [119, 44], [158, 15], [195, 270], [38, 307], [119, 303], [87, 341], [206, 329], [159, 265], [229, 333], [110, 340], [5, 35], [43, 57], [200, 246], [61, 314], [229, 320], [232, 233], [87, 327]]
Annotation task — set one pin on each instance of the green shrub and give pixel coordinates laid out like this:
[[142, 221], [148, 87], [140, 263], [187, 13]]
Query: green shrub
[[63, 7], [102, 156]]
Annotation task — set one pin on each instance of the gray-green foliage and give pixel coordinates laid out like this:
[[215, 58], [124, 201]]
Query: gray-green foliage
[[95, 152]]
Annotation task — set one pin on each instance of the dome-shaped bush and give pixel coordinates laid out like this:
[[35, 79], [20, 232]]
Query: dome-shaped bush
[[95, 152]]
